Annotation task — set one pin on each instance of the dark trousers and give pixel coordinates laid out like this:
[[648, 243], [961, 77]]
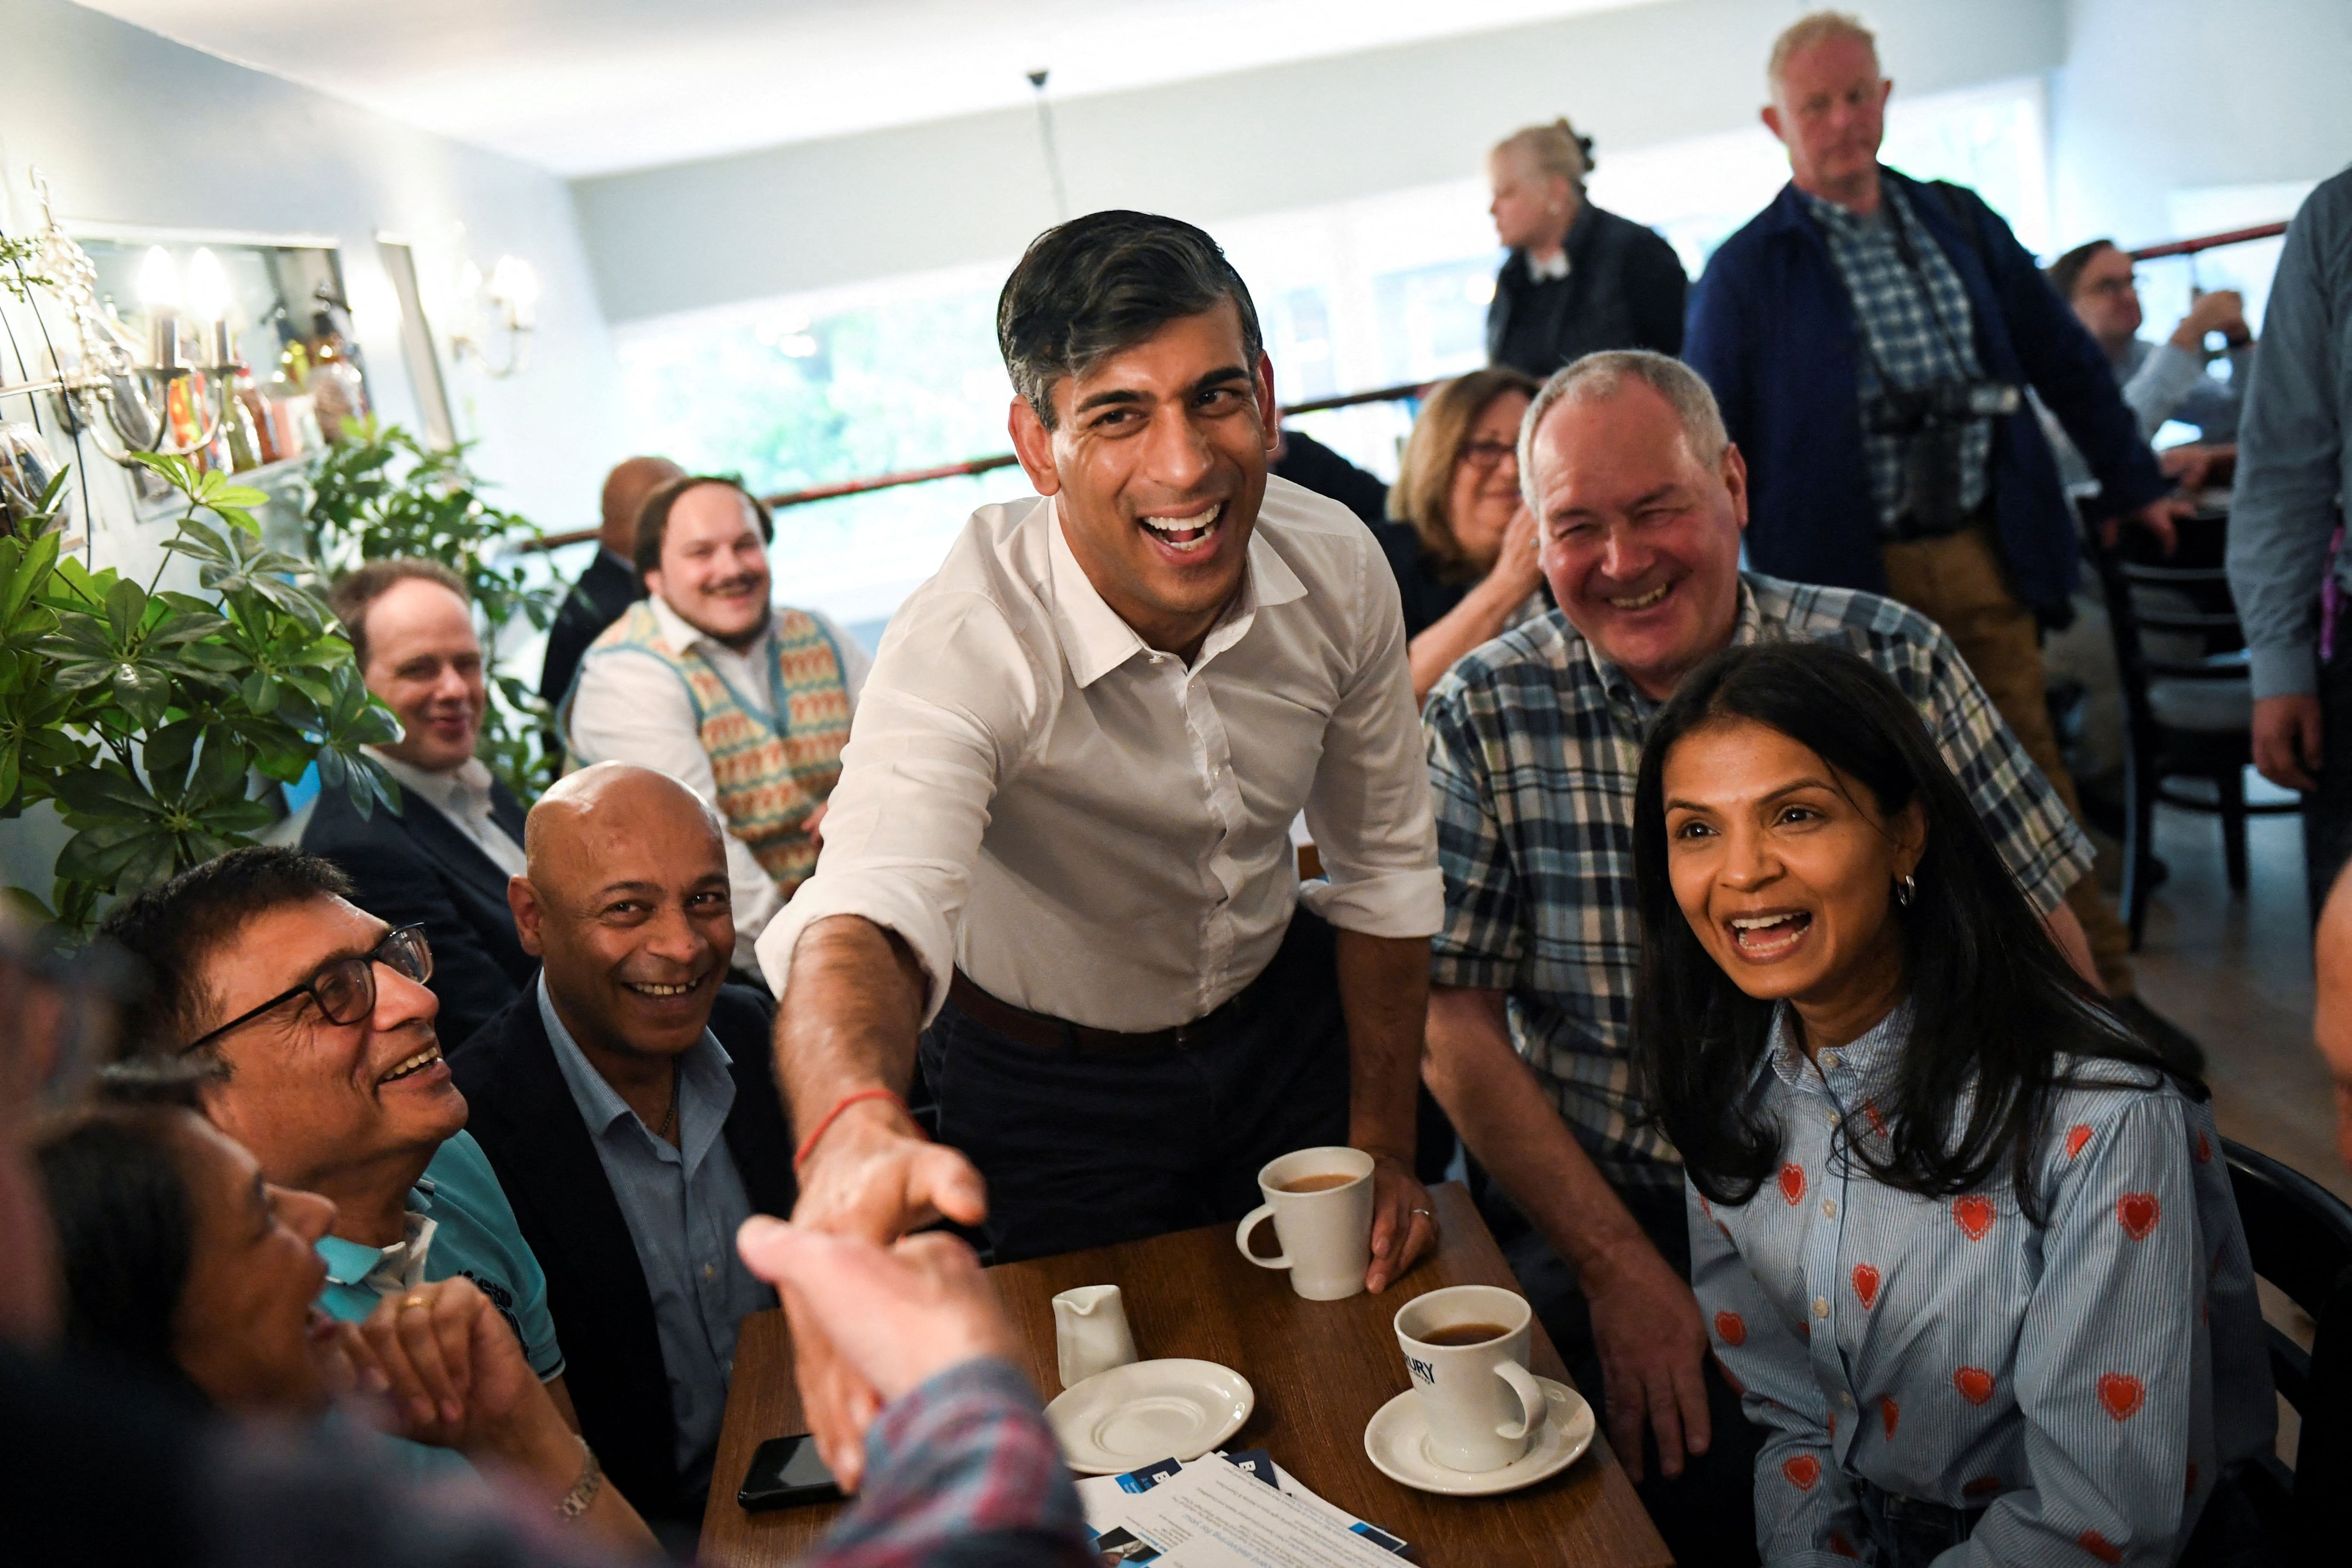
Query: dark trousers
[[1088, 1148], [1707, 1514], [2327, 811]]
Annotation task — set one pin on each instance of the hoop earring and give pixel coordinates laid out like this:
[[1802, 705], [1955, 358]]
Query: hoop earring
[[1906, 891]]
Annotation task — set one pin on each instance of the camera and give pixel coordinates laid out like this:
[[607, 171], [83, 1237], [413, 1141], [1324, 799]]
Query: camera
[[1906, 411], [1932, 420]]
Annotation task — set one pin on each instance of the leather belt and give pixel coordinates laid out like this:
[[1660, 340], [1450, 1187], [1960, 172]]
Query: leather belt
[[1043, 1032]]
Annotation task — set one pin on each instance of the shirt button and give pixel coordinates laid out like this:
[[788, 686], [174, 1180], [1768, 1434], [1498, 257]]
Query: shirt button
[[1821, 1306], [709, 1271], [1832, 1118], [1846, 1400], [1829, 1208], [1829, 1060]]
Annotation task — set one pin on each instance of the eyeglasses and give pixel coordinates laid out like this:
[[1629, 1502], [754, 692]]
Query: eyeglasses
[[344, 988], [1489, 455]]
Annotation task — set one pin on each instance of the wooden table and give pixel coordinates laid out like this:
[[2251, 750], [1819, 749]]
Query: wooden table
[[1319, 1369]]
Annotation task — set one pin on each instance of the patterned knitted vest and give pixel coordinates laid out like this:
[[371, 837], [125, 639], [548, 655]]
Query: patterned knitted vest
[[772, 771]]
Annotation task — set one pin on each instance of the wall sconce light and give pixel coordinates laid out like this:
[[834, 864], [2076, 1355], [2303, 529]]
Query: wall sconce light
[[511, 292], [117, 384]]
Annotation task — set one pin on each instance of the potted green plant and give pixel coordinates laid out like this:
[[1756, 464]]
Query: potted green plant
[[143, 713]]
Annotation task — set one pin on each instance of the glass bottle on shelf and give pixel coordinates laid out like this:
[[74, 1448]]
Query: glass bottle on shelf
[[239, 432], [334, 384], [256, 414]]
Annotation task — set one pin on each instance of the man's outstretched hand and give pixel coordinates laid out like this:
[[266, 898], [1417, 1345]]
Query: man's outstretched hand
[[871, 1177], [898, 1315]]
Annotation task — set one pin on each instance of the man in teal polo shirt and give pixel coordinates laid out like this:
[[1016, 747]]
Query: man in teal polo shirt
[[318, 1015]]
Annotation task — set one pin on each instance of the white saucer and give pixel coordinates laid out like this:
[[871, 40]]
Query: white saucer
[[1397, 1441], [1132, 1416]]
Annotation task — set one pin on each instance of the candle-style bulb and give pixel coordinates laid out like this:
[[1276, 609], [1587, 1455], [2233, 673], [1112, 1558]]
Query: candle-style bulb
[[159, 280], [208, 287]]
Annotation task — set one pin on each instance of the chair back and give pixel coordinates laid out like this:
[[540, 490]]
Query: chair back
[[2300, 1235]]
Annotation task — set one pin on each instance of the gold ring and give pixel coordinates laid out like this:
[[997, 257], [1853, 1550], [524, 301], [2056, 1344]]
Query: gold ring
[[408, 1302]]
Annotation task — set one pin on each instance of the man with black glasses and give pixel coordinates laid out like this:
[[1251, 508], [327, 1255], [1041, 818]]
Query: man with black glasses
[[1870, 339], [318, 1014]]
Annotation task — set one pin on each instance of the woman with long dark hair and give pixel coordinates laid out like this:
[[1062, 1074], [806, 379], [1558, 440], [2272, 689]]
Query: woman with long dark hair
[[1963, 1242]]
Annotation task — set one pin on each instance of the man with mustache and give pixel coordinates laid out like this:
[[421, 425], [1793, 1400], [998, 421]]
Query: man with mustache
[[1060, 850], [624, 1101], [748, 702]]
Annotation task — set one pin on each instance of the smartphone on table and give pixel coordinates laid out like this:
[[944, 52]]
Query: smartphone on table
[[785, 1471]]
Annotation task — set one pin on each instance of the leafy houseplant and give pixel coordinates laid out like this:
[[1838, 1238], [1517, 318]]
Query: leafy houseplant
[[379, 492], [142, 712]]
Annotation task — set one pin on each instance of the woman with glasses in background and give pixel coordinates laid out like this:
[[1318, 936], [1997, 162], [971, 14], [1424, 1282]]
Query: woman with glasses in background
[[1465, 550]]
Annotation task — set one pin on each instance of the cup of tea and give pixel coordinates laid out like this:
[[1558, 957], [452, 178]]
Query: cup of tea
[[1320, 1201], [1466, 1348]]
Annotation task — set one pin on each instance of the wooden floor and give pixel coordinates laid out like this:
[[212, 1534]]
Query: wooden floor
[[2236, 973]]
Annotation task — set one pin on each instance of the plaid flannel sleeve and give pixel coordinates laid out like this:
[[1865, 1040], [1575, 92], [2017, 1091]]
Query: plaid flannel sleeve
[[2047, 851], [961, 1472], [1480, 944]]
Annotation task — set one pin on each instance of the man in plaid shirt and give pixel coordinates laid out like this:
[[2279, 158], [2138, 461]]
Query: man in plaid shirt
[[1839, 330], [1534, 743]]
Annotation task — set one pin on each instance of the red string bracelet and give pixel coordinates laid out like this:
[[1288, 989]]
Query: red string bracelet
[[846, 1100]]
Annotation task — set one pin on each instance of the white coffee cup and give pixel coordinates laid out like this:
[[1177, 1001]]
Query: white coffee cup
[[1482, 1405], [1090, 1332], [1326, 1234]]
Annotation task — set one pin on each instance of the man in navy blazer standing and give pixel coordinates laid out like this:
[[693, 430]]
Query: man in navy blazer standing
[[1870, 339], [442, 861], [627, 1103]]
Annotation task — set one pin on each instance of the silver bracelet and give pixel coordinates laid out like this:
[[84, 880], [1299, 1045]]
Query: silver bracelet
[[574, 1503]]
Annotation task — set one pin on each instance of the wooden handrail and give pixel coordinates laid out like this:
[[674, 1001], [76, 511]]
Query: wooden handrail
[[983, 465], [2207, 241]]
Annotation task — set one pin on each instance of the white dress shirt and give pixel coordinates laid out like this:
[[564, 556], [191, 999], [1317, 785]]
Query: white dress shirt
[[635, 710], [1092, 831], [462, 795]]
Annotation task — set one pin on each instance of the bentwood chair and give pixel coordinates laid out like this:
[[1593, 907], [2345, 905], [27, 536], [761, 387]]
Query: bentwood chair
[[2181, 655], [2300, 1235]]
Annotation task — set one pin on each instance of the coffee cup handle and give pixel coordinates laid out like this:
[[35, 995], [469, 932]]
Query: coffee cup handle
[[1534, 1408], [1241, 1239]]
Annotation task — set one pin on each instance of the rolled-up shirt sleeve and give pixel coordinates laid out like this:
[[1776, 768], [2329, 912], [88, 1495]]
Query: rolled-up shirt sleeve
[[927, 750], [1369, 808]]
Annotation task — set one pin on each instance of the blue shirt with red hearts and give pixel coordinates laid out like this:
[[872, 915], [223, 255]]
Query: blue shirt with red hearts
[[2082, 1380]]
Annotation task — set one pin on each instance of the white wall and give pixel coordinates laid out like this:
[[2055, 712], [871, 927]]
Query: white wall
[[133, 130], [2158, 96], [818, 214]]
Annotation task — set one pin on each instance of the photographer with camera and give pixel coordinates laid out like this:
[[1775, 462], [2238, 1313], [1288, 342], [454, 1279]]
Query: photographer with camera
[[1871, 339]]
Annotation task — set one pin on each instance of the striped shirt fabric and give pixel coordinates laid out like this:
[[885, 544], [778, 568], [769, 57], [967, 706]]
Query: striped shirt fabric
[[2081, 1381], [1919, 326], [1535, 742]]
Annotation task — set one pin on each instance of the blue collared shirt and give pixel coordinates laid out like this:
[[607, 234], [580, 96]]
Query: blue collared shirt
[[2295, 466], [2084, 1379], [458, 1222], [682, 1206]]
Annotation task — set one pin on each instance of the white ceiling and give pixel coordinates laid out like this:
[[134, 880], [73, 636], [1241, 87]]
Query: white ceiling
[[585, 87]]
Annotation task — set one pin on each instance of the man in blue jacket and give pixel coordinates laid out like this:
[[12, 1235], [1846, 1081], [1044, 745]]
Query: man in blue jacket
[[1869, 338]]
